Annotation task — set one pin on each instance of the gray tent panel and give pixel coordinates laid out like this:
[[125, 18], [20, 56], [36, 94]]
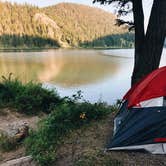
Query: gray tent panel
[[140, 128]]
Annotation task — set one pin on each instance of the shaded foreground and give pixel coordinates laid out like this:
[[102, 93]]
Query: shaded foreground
[[70, 132], [84, 147]]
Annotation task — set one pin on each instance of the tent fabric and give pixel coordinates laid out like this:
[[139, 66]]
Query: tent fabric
[[140, 126], [155, 102], [140, 123], [159, 148], [151, 86]]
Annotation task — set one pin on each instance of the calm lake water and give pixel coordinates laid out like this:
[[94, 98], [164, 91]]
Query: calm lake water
[[99, 74]]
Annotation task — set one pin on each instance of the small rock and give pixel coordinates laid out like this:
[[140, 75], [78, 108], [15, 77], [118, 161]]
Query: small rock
[[24, 161], [17, 129]]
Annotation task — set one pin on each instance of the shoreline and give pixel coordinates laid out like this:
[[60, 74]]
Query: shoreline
[[55, 48]]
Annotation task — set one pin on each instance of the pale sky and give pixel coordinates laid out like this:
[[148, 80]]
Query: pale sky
[[42, 3]]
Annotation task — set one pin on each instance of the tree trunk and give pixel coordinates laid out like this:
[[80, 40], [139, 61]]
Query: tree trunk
[[148, 58], [155, 35], [139, 37]]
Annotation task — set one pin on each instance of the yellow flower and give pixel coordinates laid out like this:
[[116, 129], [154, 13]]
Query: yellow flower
[[82, 116]]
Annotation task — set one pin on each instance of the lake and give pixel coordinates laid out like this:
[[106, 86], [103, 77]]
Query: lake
[[100, 74]]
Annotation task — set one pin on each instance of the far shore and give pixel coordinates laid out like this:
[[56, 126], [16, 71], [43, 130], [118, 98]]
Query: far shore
[[24, 49]]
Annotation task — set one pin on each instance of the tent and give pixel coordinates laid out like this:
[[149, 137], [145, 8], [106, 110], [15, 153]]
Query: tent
[[140, 123]]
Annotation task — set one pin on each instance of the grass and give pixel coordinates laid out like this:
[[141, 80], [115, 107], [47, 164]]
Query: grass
[[65, 115], [96, 159], [7, 143], [85, 146], [28, 98]]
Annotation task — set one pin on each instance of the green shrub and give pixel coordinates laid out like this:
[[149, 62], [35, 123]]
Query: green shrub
[[34, 99], [115, 107], [7, 143], [67, 117], [29, 98], [9, 89]]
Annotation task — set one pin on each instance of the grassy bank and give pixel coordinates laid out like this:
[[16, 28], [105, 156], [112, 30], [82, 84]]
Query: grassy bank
[[69, 133], [64, 115], [67, 117], [28, 98]]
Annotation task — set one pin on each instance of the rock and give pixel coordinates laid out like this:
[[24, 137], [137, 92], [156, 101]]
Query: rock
[[24, 161], [17, 130]]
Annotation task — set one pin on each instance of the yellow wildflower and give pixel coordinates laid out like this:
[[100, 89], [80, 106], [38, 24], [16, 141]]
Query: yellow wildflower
[[82, 116]]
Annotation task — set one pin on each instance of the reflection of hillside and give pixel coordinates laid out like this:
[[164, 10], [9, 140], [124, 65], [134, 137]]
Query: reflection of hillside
[[82, 69], [74, 69], [25, 70], [30, 68], [51, 68]]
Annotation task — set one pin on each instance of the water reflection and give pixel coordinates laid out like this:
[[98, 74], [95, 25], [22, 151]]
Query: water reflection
[[66, 68], [100, 74]]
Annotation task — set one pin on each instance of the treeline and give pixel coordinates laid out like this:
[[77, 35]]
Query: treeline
[[25, 41], [62, 25], [113, 41]]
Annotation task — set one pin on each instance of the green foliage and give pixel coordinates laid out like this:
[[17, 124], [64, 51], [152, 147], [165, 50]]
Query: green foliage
[[26, 41], [28, 98], [68, 116], [115, 107], [125, 40], [7, 144]]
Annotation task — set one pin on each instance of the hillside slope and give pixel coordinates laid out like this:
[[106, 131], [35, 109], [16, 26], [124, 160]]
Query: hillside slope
[[18, 28], [62, 25], [81, 24]]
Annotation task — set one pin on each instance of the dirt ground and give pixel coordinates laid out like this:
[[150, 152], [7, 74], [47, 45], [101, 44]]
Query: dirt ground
[[85, 147], [9, 117]]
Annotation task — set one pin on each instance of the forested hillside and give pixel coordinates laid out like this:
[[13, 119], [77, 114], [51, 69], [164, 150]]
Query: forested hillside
[[62, 25], [18, 27]]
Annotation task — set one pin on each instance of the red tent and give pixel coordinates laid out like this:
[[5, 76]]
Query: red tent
[[151, 86]]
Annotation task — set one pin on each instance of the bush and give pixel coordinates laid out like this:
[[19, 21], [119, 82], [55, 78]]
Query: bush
[[8, 90], [67, 117], [7, 143], [34, 99], [28, 98]]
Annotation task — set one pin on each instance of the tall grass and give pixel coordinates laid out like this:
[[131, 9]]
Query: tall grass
[[64, 115], [69, 116], [7, 143], [30, 98]]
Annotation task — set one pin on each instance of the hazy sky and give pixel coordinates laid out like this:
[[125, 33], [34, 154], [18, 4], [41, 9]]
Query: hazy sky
[[42, 3]]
